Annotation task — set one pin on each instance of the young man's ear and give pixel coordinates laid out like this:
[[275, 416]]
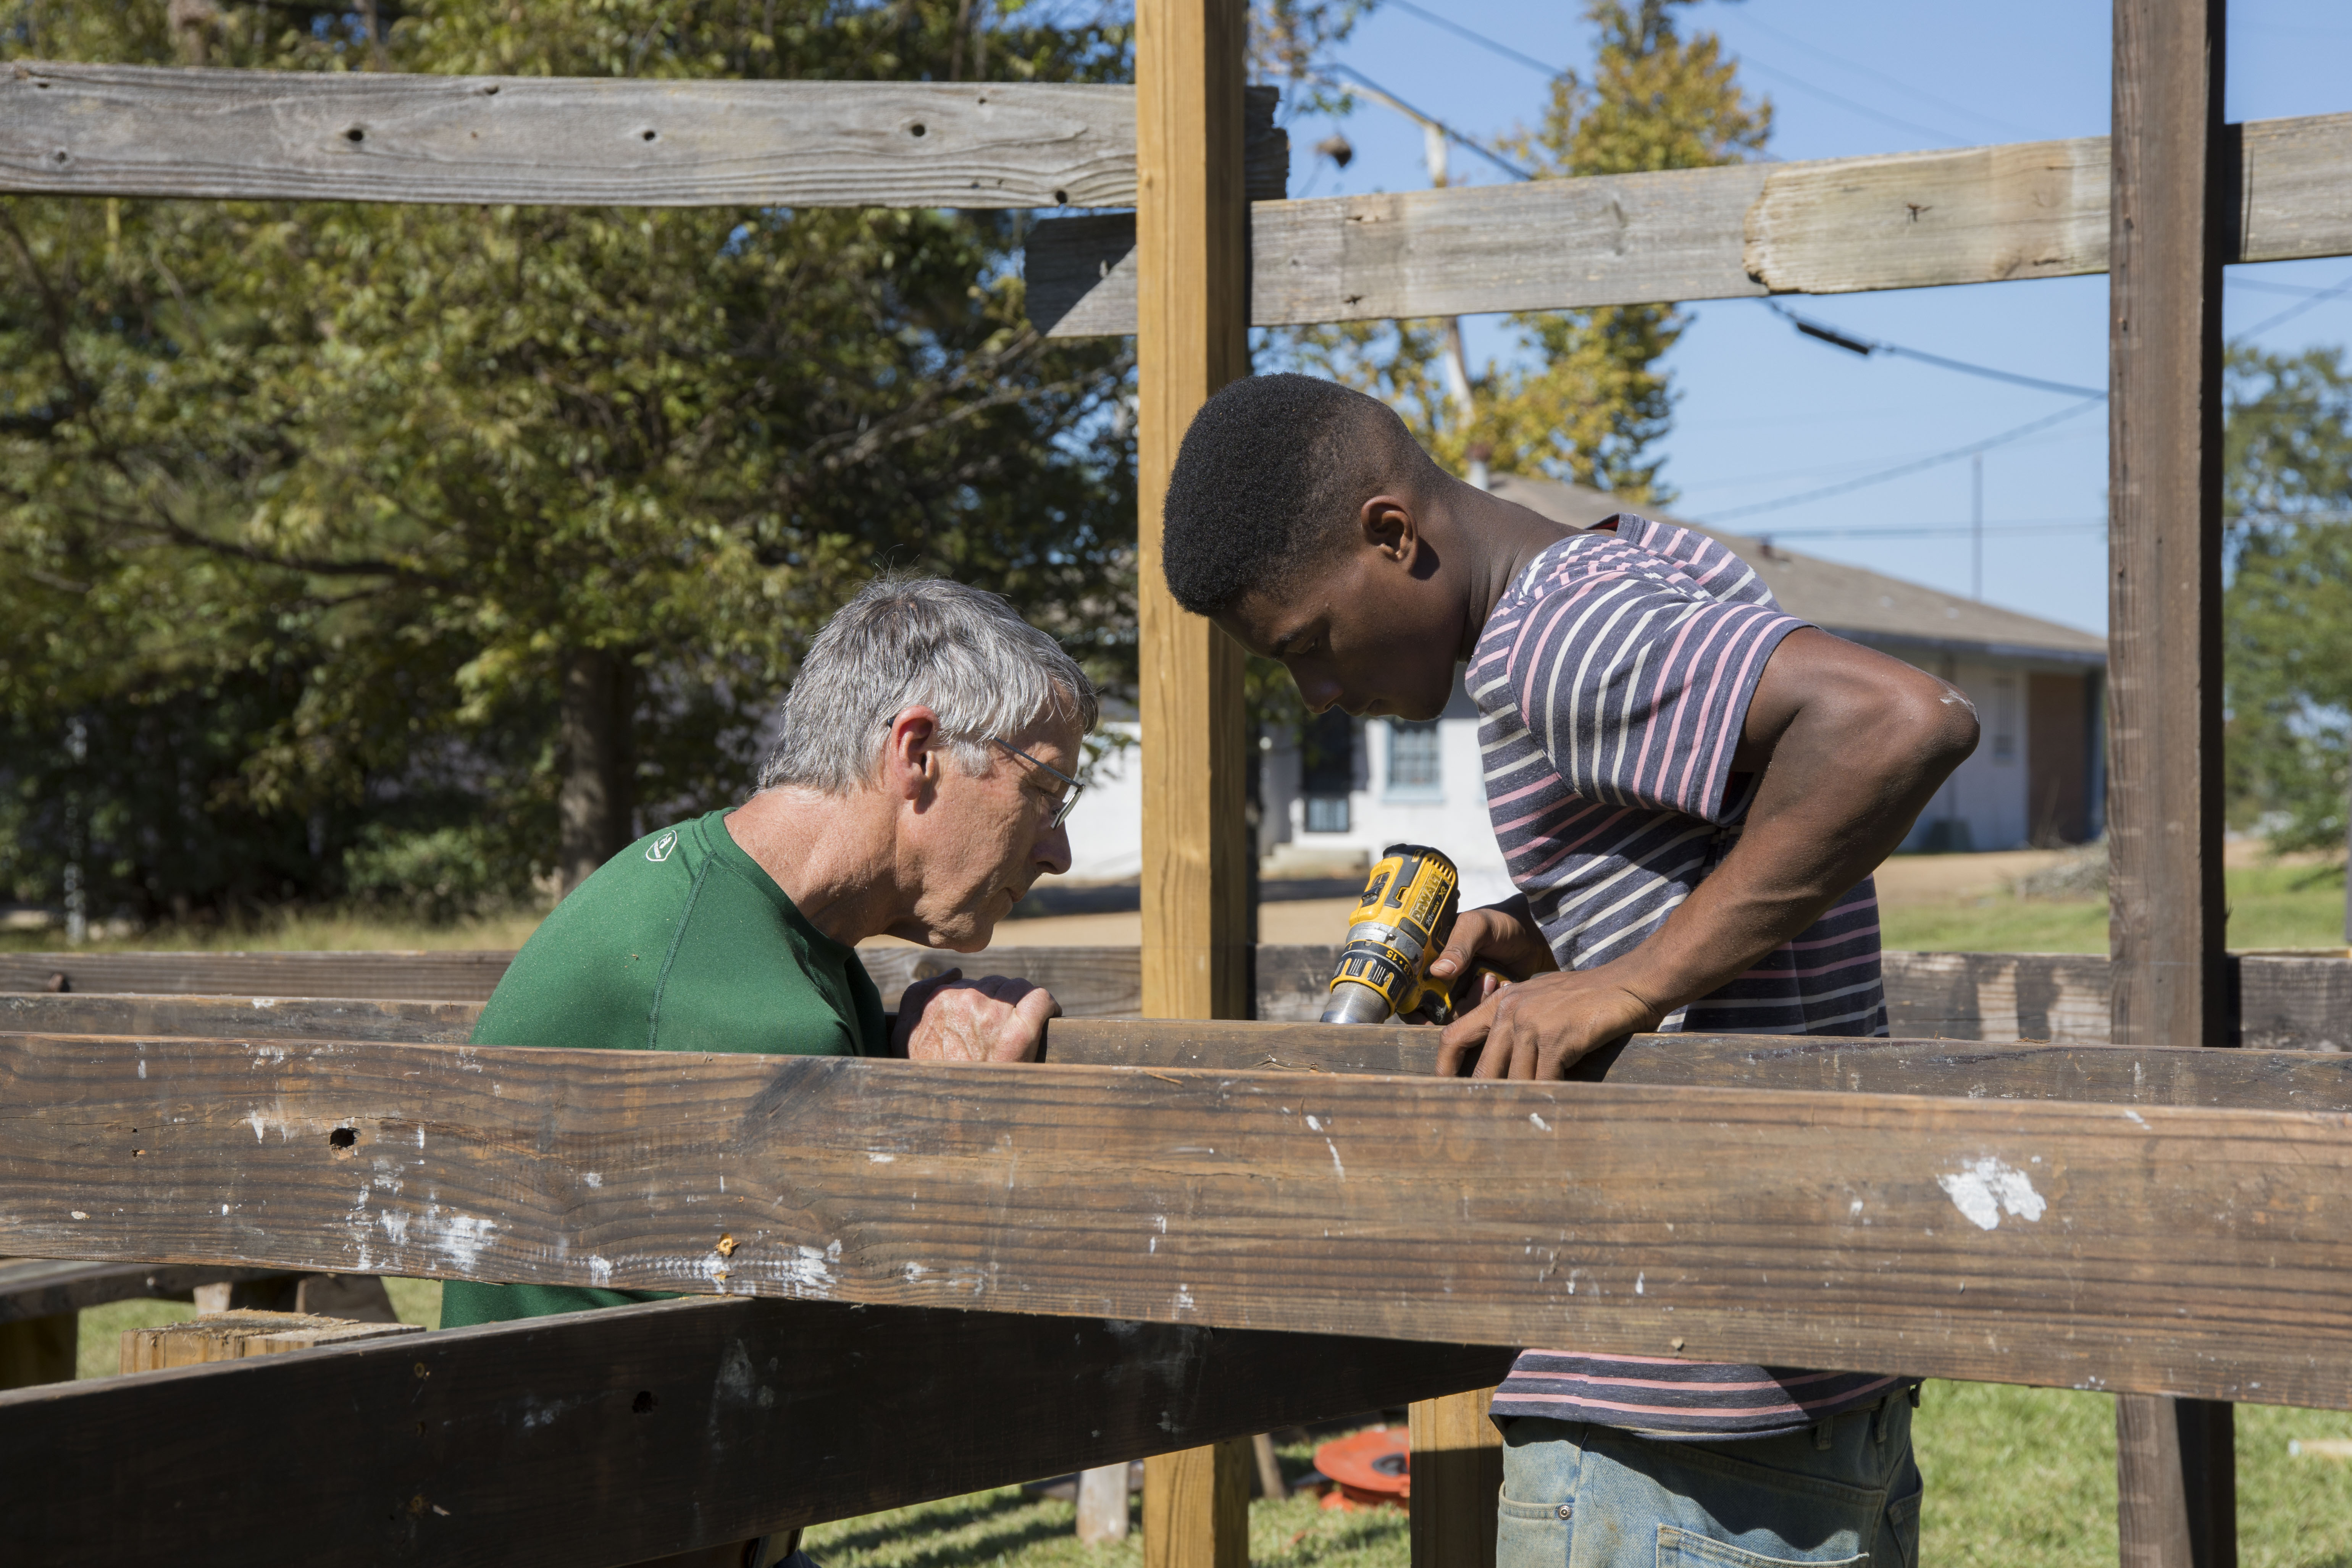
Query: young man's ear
[[1390, 525], [911, 755]]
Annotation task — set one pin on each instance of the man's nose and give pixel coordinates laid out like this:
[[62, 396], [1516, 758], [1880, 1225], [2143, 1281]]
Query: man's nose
[[1318, 691], [1052, 851]]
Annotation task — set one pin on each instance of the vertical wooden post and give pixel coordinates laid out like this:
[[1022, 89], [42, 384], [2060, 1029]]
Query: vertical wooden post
[[39, 1349], [1457, 1473], [2170, 221], [1196, 1507], [1191, 338]]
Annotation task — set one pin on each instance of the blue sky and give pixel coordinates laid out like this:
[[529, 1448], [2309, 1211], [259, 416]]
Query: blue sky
[[1765, 414]]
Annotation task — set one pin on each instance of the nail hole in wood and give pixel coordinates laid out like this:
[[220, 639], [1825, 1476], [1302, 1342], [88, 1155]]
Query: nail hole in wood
[[355, 135], [916, 129], [344, 1137], [650, 135], [1061, 199], [645, 1401]]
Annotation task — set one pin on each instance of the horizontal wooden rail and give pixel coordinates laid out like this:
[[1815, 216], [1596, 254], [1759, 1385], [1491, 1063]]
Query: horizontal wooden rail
[[609, 1438], [2153, 1248], [38, 1287], [1908, 220], [134, 131], [2283, 1003], [2248, 1080]]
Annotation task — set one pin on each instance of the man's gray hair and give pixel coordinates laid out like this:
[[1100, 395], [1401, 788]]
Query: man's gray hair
[[962, 652]]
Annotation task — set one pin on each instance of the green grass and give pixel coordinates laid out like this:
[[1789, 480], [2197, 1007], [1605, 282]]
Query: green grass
[[2269, 906]]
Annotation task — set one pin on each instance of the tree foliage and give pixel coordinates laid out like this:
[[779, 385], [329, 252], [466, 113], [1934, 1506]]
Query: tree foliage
[[303, 508], [2287, 609], [1586, 400]]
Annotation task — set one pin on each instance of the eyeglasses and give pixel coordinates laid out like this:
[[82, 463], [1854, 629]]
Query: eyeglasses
[[1069, 798]]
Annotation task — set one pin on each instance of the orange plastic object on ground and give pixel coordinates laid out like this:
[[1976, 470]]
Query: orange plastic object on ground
[[1368, 1469]]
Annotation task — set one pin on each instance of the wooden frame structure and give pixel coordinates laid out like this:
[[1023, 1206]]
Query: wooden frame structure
[[2182, 1251]]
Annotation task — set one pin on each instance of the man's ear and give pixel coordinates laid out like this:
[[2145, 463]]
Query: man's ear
[[911, 755], [1390, 526]]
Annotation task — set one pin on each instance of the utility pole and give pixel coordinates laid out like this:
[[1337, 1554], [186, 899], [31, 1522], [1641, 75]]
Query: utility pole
[[1975, 524]]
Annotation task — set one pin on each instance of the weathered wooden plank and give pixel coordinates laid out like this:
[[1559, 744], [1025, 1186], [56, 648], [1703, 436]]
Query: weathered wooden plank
[[2173, 210], [100, 130], [2263, 1079], [1457, 1472], [39, 1287], [2152, 1248], [688, 1424], [1977, 215], [451, 976], [1192, 249]]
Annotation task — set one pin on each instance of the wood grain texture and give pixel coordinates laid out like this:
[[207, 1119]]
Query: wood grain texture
[[38, 1287], [688, 1424], [82, 130], [1458, 1475], [238, 1335], [133, 131], [2150, 1247], [450, 976], [2173, 209], [1193, 250], [1196, 1507], [2285, 1002], [1976, 215]]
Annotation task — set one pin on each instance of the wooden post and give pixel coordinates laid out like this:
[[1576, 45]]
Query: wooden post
[[1102, 1504], [1191, 338], [39, 1349], [2169, 232], [1457, 1473], [1196, 1507]]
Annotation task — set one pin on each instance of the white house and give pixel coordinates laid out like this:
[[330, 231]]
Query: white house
[[1335, 797]]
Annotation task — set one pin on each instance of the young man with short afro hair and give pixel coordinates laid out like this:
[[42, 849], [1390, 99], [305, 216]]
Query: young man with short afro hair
[[1691, 789]]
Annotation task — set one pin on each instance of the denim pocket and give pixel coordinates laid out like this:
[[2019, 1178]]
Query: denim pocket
[[1682, 1549], [1901, 1532], [1531, 1534]]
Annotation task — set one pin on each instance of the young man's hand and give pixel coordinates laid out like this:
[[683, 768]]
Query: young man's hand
[[1503, 936], [948, 1019], [1543, 1025]]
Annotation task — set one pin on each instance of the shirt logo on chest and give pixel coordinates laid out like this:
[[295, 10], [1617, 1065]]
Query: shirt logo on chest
[[662, 848]]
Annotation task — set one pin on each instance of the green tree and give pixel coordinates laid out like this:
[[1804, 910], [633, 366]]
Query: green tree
[[2287, 609], [349, 545], [1584, 400]]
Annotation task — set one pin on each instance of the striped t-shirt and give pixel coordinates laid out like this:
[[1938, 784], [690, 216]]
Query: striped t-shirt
[[1612, 681]]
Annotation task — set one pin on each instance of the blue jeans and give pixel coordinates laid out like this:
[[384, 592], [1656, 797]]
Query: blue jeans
[[1581, 1496]]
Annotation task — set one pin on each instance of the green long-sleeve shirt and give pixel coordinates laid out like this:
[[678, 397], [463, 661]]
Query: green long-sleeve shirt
[[680, 942]]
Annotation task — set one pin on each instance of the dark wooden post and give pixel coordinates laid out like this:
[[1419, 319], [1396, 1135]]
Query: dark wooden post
[[1191, 338], [2170, 223]]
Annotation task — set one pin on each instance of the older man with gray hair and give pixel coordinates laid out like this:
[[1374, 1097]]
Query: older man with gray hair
[[920, 786]]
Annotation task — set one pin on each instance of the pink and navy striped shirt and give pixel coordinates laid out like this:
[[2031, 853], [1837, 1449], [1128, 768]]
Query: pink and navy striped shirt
[[1612, 681]]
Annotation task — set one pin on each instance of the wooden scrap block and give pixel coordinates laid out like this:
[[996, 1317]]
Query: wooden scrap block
[[231, 1336]]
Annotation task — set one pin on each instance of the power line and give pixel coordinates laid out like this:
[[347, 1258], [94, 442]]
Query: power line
[[1481, 39], [1750, 62], [1444, 130], [2264, 325], [1748, 19], [1853, 343], [1955, 455]]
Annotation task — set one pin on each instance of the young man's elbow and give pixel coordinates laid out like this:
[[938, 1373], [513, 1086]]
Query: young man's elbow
[[1939, 728]]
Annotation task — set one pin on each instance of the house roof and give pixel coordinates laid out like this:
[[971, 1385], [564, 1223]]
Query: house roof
[[1868, 607]]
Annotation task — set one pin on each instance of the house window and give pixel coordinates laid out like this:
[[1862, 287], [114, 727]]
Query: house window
[[1413, 763], [2004, 719], [1327, 773]]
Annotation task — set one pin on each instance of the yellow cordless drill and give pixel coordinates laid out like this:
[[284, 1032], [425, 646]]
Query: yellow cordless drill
[[1396, 932]]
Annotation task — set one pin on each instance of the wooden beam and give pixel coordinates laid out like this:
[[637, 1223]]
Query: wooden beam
[[1457, 1473], [2244, 1079], [609, 1437], [1193, 250], [1978, 214], [2174, 206], [2284, 1004], [2151, 1248], [134, 131], [1191, 228]]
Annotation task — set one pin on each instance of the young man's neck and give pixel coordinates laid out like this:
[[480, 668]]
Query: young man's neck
[[1497, 540]]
